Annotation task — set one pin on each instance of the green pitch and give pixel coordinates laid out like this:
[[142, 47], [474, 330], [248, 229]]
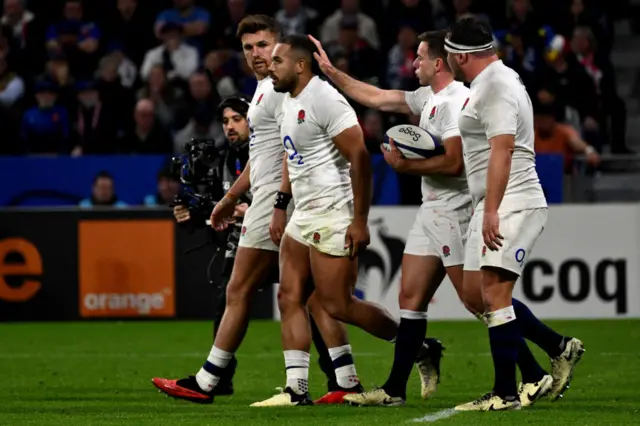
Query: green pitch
[[100, 374]]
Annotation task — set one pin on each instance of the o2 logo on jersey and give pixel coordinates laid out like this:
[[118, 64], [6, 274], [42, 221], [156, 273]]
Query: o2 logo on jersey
[[289, 147], [252, 134], [410, 132], [520, 254]]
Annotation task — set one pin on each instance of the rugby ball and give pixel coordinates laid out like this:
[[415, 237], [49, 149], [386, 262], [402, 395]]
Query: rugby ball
[[414, 142]]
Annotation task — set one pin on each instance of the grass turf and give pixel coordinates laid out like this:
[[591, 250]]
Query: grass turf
[[99, 374]]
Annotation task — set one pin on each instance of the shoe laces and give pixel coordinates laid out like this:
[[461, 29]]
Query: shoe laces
[[483, 398]]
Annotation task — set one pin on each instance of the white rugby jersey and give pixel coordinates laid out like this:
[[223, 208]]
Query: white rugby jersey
[[265, 148], [319, 174], [439, 115], [498, 104]]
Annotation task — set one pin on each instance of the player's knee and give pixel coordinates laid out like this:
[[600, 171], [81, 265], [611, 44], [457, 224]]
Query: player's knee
[[238, 293], [336, 308], [411, 300], [287, 298]]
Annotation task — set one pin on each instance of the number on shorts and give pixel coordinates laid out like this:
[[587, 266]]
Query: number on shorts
[[289, 147]]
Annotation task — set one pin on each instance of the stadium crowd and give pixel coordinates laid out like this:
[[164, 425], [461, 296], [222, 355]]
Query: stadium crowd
[[145, 76]]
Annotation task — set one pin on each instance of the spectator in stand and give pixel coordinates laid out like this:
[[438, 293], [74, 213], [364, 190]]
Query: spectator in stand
[[201, 95], [600, 69], [552, 137], [195, 21], [202, 126], [25, 38], [366, 26], [77, 38], [97, 124], [447, 13], [11, 94], [113, 94], [406, 10], [168, 188], [167, 100], [221, 68], [45, 127], [147, 136], [178, 59], [373, 129], [129, 27], [57, 72], [102, 193], [400, 71], [363, 59], [563, 81], [237, 10], [126, 69], [578, 14], [11, 86], [295, 18]]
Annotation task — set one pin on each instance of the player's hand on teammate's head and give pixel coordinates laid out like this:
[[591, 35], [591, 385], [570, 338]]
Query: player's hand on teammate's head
[[278, 223], [393, 156], [181, 213], [491, 231], [357, 238], [321, 57]]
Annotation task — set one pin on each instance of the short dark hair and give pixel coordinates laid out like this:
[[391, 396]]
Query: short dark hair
[[435, 40], [302, 44], [471, 32], [252, 24], [103, 174], [236, 103]]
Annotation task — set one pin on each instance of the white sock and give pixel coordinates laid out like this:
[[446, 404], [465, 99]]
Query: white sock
[[297, 364], [346, 375], [500, 317], [217, 360]]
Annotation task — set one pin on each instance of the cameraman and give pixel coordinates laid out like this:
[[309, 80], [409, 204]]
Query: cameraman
[[232, 112]]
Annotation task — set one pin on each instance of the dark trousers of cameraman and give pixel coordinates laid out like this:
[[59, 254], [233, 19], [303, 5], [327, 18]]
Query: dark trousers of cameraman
[[323, 352]]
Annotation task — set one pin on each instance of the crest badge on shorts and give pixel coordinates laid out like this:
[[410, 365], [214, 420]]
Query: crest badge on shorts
[[316, 237], [484, 251], [244, 230], [446, 251]]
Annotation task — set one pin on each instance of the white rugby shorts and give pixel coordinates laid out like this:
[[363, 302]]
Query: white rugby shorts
[[257, 218], [441, 233], [326, 232], [520, 230]]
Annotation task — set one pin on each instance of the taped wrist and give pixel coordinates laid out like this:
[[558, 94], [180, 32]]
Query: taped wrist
[[282, 200]]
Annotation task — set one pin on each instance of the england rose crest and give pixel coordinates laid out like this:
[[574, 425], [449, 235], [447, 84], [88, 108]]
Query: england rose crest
[[433, 113], [446, 251], [316, 237], [301, 116], [484, 251]]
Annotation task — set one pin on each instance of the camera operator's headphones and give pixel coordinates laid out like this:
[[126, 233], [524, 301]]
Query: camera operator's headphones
[[237, 103]]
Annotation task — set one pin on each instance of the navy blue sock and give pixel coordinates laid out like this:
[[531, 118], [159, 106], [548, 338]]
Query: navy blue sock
[[409, 340], [530, 370], [505, 339], [534, 330]]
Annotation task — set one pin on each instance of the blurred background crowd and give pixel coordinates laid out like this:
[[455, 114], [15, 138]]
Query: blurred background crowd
[[145, 76]]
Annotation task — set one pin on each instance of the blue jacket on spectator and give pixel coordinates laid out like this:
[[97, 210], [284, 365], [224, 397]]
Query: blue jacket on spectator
[[88, 203], [82, 30], [45, 130], [174, 16]]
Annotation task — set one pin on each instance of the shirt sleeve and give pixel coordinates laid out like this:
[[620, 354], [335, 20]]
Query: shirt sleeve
[[448, 114], [499, 112], [416, 100], [335, 115]]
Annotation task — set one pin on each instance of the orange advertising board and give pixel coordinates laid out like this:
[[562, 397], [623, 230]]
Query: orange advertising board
[[126, 268]]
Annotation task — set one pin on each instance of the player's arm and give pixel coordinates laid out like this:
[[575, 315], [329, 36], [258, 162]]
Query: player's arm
[[242, 185], [498, 171], [351, 145], [285, 186], [363, 93], [448, 164]]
